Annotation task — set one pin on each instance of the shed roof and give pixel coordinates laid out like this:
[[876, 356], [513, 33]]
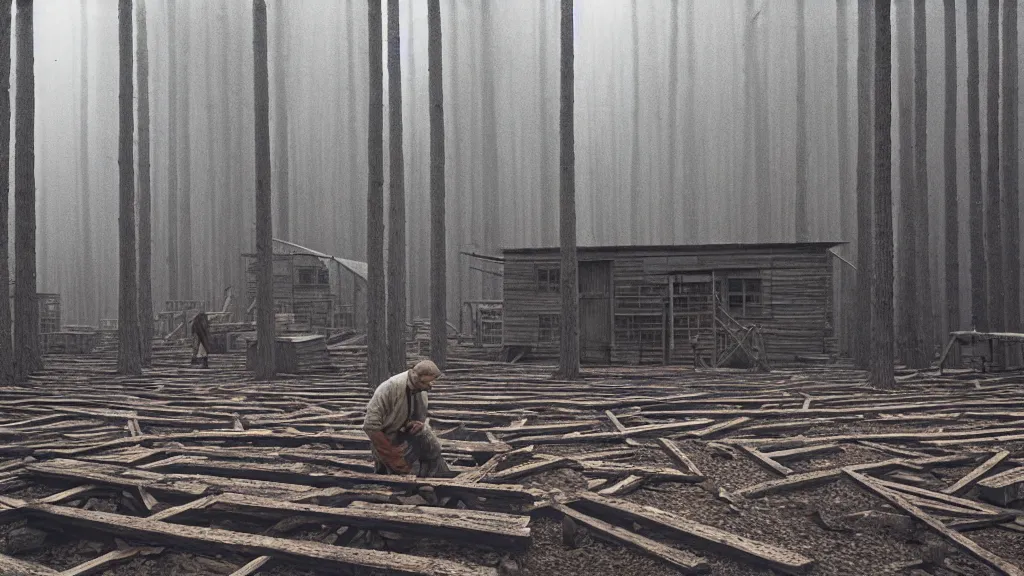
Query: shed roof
[[658, 248], [360, 269]]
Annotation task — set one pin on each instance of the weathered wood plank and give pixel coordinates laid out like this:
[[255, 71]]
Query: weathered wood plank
[[252, 567], [310, 554], [676, 454], [972, 477], [624, 486], [542, 464], [10, 566], [959, 540], [681, 560], [102, 563], [765, 461], [1003, 488]]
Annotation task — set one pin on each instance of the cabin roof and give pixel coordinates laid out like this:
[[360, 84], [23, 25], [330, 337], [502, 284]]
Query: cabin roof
[[360, 269], [661, 248]]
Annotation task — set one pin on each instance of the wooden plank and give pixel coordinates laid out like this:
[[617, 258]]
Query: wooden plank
[[252, 567], [617, 470], [477, 474], [197, 504], [1003, 488], [803, 451], [541, 464], [959, 540], [624, 486], [309, 554], [681, 560], [942, 497], [491, 528], [697, 534], [676, 454], [10, 566], [69, 494], [620, 427], [716, 428], [102, 563], [766, 461], [972, 477]]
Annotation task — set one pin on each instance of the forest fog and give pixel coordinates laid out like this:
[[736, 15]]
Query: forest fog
[[723, 76]]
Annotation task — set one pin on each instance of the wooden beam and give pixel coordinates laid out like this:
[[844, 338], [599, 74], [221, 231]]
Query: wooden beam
[[972, 477], [621, 428], [624, 486], [765, 461], [102, 563], [697, 534], [959, 540], [1003, 488], [309, 554], [716, 428], [542, 464], [10, 566], [252, 567], [803, 451], [681, 560], [676, 454]]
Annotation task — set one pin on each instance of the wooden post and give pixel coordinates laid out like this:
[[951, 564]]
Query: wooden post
[[714, 319]]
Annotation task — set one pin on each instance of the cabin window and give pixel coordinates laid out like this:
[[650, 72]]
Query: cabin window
[[549, 328], [745, 297], [641, 330], [306, 276], [323, 277], [548, 280]]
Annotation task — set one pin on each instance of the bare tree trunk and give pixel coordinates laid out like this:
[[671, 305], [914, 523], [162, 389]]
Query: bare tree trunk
[[438, 260], [26, 307], [925, 313], [634, 166], [865, 158], [91, 296], [882, 369], [185, 192], [909, 299], [129, 360], [145, 200], [846, 203], [952, 204], [357, 224], [800, 202], [569, 359], [265, 366], [281, 123], [396, 200], [173, 78], [228, 254], [376, 326], [979, 304], [993, 220], [7, 357], [1012, 160], [491, 204]]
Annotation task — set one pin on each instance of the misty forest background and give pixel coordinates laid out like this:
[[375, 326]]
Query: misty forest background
[[721, 76]]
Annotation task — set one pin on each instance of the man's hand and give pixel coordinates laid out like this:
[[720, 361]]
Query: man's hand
[[414, 427]]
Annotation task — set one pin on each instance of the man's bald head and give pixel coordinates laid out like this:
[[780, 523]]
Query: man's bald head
[[424, 374]]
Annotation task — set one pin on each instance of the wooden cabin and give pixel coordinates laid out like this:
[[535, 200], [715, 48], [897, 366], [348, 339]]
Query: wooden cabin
[[322, 292], [676, 304]]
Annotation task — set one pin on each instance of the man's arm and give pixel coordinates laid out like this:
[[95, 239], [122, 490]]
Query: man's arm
[[393, 456]]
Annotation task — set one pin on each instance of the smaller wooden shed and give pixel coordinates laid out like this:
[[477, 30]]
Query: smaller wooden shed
[[676, 304]]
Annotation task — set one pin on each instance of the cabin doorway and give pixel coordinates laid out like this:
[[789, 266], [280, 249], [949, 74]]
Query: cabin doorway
[[596, 312]]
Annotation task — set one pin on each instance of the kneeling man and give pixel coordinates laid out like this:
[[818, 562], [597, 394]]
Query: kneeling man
[[402, 442]]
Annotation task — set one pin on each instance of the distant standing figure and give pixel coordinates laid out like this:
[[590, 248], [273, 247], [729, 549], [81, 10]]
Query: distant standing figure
[[201, 339], [401, 440]]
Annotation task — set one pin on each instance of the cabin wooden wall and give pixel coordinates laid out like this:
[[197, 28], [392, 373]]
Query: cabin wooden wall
[[797, 293]]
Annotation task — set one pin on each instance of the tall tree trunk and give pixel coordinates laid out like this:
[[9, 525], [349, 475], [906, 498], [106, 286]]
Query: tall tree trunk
[[927, 295], [491, 206], [882, 369], [634, 166], [846, 217], [185, 192], [229, 256], [438, 260], [1012, 160], [569, 359], [26, 307], [7, 357], [800, 201], [673, 125], [173, 78], [907, 333], [91, 295], [952, 204], [357, 224], [979, 304], [145, 199], [281, 122], [376, 326], [396, 200], [994, 208], [129, 360], [265, 366]]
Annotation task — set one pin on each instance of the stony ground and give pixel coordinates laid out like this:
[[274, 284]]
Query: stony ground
[[143, 447]]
